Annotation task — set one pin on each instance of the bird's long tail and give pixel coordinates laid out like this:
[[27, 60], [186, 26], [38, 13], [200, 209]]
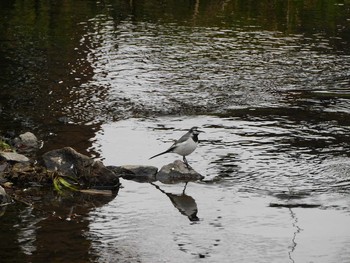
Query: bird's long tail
[[167, 151]]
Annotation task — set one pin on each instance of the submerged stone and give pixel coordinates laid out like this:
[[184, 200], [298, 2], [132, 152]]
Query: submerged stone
[[177, 171]]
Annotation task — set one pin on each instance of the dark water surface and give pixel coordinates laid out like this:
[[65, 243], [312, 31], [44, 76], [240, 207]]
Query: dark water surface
[[268, 81]]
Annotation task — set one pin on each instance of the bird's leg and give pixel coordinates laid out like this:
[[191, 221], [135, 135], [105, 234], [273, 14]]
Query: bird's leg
[[183, 191], [185, 161]]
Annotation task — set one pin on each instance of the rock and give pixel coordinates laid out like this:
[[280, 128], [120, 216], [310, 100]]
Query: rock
[[119, 171], [13, 157], [3, 167], [177, 172], [3, 180], [87, 171], [27, 142], [140, 173], [4, 198]]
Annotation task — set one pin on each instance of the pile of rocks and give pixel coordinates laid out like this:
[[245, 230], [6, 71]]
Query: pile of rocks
[[19, 169], [174, 172]]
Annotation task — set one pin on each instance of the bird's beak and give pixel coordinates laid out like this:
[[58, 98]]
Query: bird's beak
[[200, 131]]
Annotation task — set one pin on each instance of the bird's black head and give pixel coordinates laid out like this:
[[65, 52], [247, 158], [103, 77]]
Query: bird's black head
[[194, 130]]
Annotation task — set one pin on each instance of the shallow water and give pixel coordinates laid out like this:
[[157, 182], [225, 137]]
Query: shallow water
[[268, 82], [259, 198]]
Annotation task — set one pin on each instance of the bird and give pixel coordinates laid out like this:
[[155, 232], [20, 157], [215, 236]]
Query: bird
[[185, 145]]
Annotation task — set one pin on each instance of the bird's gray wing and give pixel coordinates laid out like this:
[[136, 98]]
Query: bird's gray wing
[[183, 138]]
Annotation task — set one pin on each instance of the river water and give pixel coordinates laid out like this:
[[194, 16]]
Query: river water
[[268, 82]]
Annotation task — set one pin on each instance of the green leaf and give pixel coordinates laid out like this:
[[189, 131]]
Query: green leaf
[[66, 184]]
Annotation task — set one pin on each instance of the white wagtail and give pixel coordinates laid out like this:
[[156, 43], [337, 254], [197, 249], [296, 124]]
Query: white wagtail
[[185, 145]]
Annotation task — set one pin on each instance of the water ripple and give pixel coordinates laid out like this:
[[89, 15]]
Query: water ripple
[[155, 69]]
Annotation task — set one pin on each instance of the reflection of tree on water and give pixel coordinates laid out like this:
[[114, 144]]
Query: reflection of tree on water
[[184, 203], [51, 227]]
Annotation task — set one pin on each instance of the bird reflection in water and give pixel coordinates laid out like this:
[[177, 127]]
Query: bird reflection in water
[[184, 203]]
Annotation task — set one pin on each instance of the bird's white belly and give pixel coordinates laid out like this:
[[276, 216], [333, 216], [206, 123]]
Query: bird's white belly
[[186, 148]]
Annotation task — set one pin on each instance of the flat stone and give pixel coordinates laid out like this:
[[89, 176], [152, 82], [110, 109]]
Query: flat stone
[[13, 157], [140, 173], [177, 172], [119, 171]]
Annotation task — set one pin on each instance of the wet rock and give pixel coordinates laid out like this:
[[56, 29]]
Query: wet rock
[[177, 171], [2, 180], [4, 198], [88, 172], [140, 173], [13, 157], [119, 171], [27, 142], [3, 167]]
